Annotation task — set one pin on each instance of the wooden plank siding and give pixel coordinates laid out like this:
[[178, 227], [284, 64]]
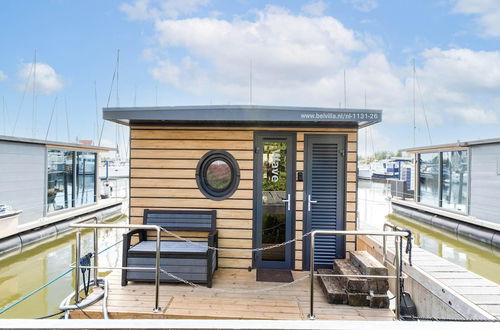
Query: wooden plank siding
[[163, 176], [163, 162]]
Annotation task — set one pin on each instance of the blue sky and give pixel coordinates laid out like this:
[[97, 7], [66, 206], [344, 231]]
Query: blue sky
[[199, 52]]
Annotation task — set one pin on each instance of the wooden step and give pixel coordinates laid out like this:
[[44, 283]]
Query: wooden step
[[351, 284], [334, 293], [368, 265], [358, 299], [378, 300]]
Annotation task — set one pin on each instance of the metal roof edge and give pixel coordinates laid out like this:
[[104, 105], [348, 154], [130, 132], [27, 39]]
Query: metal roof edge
[[54, 143], [458, 144], [238, 107]]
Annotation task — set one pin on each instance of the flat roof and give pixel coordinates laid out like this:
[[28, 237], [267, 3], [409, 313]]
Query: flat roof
[[244, 115], [457, 145], [53, 143]]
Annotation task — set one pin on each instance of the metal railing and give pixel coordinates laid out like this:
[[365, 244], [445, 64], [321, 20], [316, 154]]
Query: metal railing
[[95, 226], [384, 241], [397, 236]]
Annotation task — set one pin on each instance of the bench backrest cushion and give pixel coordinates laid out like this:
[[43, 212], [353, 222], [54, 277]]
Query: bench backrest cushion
[[181, 220]]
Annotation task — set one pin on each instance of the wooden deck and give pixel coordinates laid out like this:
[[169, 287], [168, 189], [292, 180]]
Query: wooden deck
[[180, 301], [444, 290]]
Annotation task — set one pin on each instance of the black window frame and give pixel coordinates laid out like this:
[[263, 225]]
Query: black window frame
[[201, 169]]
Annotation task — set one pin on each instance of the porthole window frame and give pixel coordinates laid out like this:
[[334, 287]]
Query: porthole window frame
[[201, 170]]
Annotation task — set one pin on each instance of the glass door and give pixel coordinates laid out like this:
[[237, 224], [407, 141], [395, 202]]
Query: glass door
[[274, 200]]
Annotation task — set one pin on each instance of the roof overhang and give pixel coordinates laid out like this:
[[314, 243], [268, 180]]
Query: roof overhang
[[56, 144], [244, 115], [451, 146]]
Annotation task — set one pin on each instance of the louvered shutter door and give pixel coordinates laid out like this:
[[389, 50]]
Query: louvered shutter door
[[324, 190]]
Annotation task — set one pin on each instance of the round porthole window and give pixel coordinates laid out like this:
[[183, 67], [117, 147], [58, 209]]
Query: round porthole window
[[217, 174]]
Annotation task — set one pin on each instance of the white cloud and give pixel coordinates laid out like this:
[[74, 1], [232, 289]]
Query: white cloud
[[300, 60], [47, 81], [475, 115], [3, 76], [315, 8], [487, 13], [157, 9], [363, 5]]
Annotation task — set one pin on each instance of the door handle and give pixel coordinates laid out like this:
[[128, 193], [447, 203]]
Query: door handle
[[287, 201], [309, 202]]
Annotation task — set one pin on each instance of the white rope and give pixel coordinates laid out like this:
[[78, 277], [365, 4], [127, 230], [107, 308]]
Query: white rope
[[233, 249], [194, 285]]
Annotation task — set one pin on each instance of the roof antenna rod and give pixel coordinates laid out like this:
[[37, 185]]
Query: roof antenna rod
[[4, 108], [34, 98], [135, 95], [251, 68], [345, 92]]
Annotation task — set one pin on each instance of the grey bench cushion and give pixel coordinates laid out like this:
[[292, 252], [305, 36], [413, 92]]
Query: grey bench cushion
[[170, 247]]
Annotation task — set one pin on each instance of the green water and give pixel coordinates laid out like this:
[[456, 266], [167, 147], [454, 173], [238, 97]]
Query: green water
[[24, 271], [374, 209], [478, 258]]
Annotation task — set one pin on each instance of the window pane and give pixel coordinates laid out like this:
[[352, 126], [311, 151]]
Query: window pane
[[59, 180], [273, 192], [85, 178], [218, 175], [429, 178], [455, 180]]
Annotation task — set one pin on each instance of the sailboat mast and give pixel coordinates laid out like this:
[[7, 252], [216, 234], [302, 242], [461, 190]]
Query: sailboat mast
[[34, 98], [414, 114]]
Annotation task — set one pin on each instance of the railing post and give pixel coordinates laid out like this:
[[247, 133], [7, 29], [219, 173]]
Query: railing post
[[77, 267], [384, 246], [398, 277], [311, 269], [96, 247], [157, 273]]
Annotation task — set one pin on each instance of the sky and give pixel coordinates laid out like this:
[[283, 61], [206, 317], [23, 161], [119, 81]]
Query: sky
[[441, 58]]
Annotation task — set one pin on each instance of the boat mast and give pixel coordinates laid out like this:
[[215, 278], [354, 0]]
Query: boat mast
[[414, 121], [34, 98]]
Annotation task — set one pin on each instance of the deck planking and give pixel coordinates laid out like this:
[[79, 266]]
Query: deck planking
[[225, 301], [469, 289]]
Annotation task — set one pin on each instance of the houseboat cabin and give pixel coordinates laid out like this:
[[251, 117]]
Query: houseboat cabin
[[271, 173], [457, 188], [43, 183]]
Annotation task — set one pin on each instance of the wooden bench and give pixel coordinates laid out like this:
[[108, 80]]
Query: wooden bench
[[193, 262]]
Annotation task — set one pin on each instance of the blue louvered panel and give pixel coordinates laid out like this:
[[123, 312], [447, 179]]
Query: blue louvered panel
[[324, 180]]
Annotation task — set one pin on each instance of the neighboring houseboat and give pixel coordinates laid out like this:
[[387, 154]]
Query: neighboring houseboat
[[271, 173], [46, 182], [458, 188], [389, 168]]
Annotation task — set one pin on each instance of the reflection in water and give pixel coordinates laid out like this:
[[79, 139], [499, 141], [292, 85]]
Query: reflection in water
[[374, 210], [29, 269]]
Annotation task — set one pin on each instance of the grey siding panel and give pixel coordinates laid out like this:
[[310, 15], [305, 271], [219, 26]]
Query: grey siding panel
[[485, 183], [149, 276], [22, 179], [170, 262]]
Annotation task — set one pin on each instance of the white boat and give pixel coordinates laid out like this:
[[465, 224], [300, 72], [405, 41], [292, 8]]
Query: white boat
[[365, 172], [8, 220]]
